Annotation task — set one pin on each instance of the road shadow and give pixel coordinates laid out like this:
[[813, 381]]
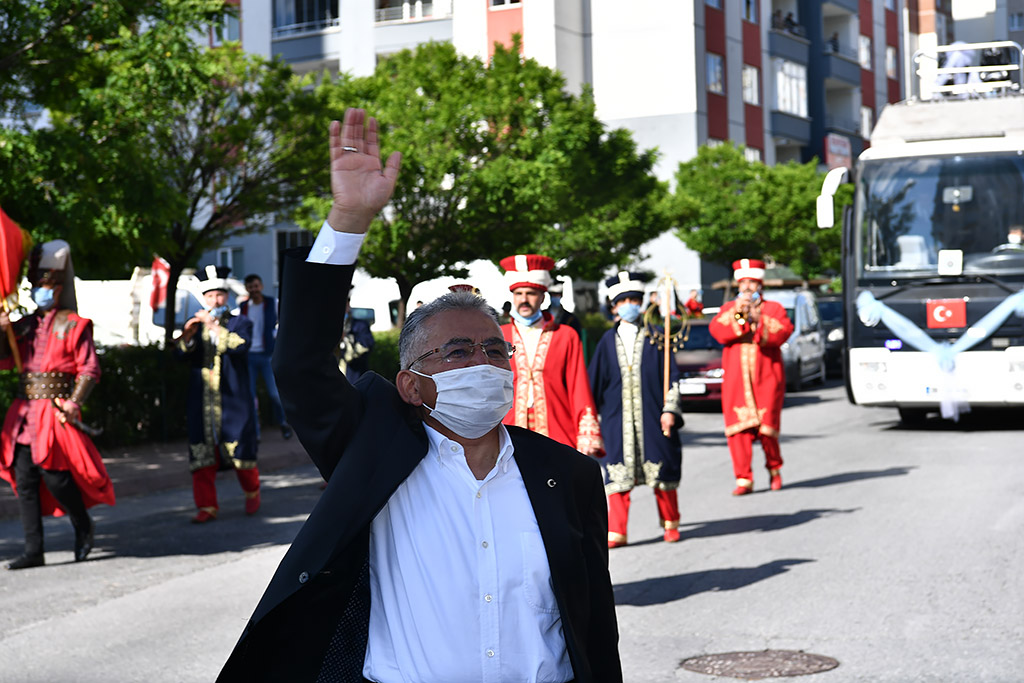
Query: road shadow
[[665, 589], [847, 477], [165, 529], [977, 420], [745, 525]]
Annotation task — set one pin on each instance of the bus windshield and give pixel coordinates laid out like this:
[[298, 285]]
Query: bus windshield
[[909, 209]]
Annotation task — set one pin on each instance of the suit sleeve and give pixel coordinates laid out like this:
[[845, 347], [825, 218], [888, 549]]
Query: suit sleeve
[[603, 641], [320, 404]]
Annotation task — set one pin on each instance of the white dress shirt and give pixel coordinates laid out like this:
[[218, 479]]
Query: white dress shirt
[[460, 586]]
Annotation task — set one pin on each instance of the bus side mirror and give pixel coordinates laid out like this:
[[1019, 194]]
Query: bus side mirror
[[826, 204], [826, 211]]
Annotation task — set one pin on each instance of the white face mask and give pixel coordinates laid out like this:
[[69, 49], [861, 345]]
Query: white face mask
[[471, 401]]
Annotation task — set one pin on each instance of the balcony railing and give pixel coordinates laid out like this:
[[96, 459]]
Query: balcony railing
[[305, 27], [411, 11]]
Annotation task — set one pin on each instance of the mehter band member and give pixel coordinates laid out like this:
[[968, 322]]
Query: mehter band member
[[754, 384], [52, 465]]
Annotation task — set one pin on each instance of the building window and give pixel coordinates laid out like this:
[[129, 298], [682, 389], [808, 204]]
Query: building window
[[715, 73], [499, 3], [1016, 21], [752, 154], [790, 87], [890, 5], [714, 142], [287, 239], [233, 259], [300, 16], [751, 84], [864, 52], [890, 62], [717, 4], [750, 11], [867, 122], [230, 30]]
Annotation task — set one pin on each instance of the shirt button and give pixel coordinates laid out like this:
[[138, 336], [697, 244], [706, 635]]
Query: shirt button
[[478, 494], [303, 577], [484, 544], [490, 653], [455, 449], [488, 598]]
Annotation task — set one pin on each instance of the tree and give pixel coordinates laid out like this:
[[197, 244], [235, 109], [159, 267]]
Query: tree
[[728, 207], [497, 159], [170, 155]]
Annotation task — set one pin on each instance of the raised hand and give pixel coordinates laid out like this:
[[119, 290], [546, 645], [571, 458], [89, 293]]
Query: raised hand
[[359, 186]]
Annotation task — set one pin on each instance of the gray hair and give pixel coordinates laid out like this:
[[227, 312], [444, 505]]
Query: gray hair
[[414, 335]]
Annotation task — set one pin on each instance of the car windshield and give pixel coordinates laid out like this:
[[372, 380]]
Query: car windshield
[[831, 311], [699, 338], [909, 209]]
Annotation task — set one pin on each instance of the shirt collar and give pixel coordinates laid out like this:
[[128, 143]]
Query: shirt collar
[[440, 447]]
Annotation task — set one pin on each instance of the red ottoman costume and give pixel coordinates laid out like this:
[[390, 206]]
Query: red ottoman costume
[[59, 468], [754, 384]]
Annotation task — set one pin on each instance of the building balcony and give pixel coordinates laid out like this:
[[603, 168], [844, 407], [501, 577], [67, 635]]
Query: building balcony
[[790, 127], [788, 45], [833, 7], [319, 49], [416, 10], [841, 124], [841, 70]]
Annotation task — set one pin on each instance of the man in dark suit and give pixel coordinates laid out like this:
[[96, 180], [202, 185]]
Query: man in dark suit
[[446, 547]]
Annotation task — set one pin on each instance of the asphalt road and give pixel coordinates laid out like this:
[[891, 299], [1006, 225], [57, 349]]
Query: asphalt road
[[896, 552]]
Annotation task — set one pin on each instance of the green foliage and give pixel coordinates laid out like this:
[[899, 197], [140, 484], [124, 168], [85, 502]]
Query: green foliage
[[384, 354], [497, 159], [156, 143], [729, 208], [594, 326], [140, 397]]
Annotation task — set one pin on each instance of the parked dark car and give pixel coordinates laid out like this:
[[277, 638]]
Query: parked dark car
[[700, 362], [803, 354], [831, 309]]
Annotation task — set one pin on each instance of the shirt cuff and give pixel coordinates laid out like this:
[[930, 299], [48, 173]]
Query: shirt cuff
[[335, 248]]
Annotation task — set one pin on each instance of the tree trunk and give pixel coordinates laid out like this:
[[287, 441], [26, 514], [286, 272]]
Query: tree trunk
[[404, 292]]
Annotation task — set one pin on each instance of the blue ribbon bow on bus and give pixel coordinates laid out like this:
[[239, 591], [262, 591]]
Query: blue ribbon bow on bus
[[870, 311]]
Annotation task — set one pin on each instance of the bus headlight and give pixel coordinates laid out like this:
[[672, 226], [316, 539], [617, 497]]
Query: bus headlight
[[835, 335]]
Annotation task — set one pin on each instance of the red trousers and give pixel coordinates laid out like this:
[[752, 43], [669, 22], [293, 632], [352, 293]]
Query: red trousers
[[204, 487], [741, 448], [618, 512]]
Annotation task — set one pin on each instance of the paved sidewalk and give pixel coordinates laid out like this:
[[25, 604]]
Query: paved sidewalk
[[162, 466]]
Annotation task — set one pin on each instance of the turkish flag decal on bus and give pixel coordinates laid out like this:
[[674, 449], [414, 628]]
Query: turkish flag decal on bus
[[946, 313]]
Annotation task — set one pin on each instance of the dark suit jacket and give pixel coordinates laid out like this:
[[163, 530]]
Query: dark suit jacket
[[365, 440]]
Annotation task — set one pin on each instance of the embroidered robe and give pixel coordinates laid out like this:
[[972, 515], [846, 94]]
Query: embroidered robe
[[628, 385], [556, 380], [754, 384], [219, 405]]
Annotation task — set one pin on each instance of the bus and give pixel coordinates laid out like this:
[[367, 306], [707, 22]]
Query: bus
[[933, 245]]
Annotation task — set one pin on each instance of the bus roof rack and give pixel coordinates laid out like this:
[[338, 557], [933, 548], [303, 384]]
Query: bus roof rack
[[965, 70]]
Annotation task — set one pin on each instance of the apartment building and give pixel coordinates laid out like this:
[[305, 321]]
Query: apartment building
[[789, 79]]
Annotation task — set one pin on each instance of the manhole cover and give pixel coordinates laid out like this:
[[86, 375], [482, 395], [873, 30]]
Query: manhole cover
[[762, 664]]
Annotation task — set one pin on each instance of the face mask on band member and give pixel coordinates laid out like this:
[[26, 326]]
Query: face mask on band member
[[471, 401], [629, 312], [43, 297]]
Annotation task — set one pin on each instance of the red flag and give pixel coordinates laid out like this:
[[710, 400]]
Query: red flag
[[14, 243], [161, 274], [946, 312]]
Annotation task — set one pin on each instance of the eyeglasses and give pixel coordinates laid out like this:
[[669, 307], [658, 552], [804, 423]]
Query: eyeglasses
[[460, 352]]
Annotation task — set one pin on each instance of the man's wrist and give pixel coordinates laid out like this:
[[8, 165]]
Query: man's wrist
[[341, 220]]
